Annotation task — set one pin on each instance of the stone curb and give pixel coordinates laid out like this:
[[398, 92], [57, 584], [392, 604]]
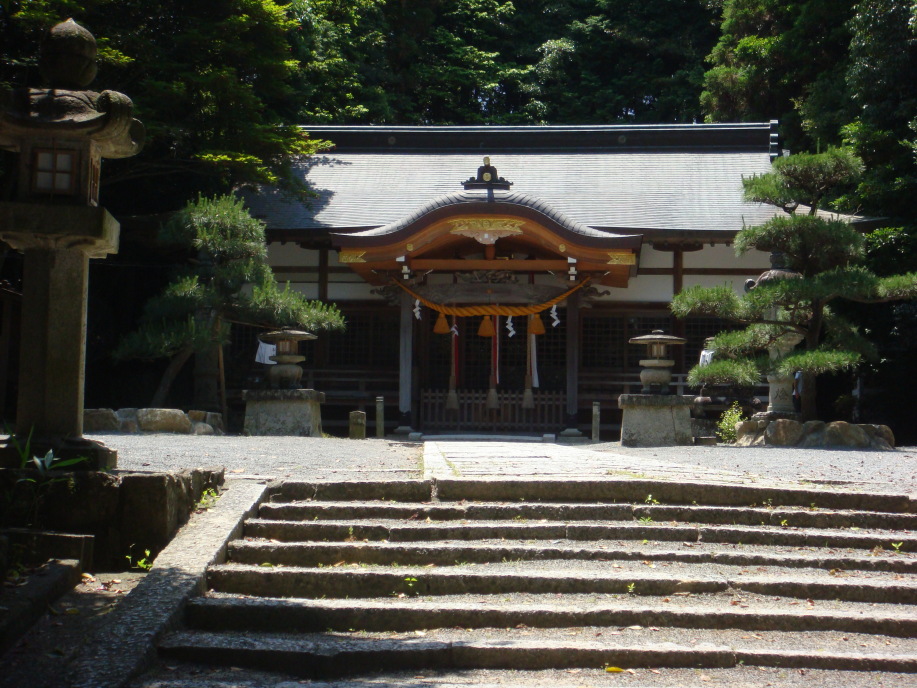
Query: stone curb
[[316, 583], [125, 645], [424, 554], [311, 616], [25, 605], [327, 659], [422, 532]]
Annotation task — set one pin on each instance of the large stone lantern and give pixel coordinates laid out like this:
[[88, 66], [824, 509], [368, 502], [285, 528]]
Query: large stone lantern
[[780, 387], [60, 132]]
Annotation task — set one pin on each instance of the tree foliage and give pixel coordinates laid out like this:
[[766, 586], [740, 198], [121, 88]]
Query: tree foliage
[[212, 82], [227, 280], [823, 264]]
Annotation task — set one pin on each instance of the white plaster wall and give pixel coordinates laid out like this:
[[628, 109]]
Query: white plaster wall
[[310, 291], [736, 282], [642, 288], [290, 254], [722, 256], [338, 291], [651, 258]]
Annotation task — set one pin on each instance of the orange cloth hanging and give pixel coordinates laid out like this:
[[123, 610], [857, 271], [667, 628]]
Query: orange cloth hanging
[[487, 327]]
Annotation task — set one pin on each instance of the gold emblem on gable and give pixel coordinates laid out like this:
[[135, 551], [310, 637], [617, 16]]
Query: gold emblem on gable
[[485, 230], [351, 257], [621, 258]]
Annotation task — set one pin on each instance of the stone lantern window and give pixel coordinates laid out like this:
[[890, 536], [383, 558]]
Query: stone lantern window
[[54, 171]]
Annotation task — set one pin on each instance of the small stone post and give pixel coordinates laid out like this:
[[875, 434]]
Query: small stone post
[[358, 425], [596, 417], [380, 417]]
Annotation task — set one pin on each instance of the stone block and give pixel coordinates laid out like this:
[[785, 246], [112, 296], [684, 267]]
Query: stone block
[[126, 414], [880, 432], [653, 420], [100, 420], [843, 434], [215, 421], [198, 428], [163, 420], [197, 416], [295, 412], [748, 433], [153, 506], [129, 426], [783, 433]]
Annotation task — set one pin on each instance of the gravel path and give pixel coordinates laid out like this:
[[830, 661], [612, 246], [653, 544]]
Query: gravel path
[[314, 458]]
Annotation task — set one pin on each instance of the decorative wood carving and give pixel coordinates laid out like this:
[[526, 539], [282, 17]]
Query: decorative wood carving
[[485, 230]]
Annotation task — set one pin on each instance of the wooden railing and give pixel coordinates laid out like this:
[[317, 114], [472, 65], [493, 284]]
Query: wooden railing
[[472, 414]]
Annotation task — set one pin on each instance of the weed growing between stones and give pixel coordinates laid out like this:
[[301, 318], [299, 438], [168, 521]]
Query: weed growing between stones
[[726, 425]]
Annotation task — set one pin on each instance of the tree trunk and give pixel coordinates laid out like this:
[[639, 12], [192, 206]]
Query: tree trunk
[[169, 375]]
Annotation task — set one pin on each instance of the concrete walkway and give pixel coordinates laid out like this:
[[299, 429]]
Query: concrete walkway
[[482, 459]]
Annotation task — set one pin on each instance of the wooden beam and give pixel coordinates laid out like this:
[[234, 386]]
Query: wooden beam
[[539, 265]]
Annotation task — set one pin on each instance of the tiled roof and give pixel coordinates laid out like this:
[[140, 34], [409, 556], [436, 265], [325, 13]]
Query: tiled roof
[[690, 182]]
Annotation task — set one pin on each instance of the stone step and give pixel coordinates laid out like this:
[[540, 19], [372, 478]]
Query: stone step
[[399, 531], [724, 611], [794, 518], [188, 675], [268, 581], [313, 554], [318, 656], [629, 490]]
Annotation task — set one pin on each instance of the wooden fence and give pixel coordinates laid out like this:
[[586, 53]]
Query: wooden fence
[[473, 416]]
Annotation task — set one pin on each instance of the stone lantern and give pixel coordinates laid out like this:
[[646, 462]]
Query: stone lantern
[[656, 368], [285, 408], [655, 418], [780, 387], [286, 374], [60, 132]]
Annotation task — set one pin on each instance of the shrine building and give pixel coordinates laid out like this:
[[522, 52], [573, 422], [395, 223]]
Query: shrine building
[[492, 276]]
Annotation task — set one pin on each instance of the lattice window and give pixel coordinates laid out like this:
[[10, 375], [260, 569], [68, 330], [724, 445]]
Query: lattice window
[[604, 342], [697, 330], [370, 340]]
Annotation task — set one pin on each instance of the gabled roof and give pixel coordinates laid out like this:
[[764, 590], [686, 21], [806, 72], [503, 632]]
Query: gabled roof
[[491, 202], [680, 179]]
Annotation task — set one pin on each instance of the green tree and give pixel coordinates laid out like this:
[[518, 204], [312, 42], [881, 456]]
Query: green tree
[[828, 256], [212, 82], [782, 60], [227, 280]]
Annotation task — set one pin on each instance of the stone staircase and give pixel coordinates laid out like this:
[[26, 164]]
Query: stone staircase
[[517, 580]]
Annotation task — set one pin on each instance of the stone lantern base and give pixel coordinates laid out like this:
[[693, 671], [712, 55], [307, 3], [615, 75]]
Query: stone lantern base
[[294, 412], [653, 420]]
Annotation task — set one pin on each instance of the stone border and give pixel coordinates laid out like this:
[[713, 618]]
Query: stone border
[[814, 433], [125, 645], [133, 420]]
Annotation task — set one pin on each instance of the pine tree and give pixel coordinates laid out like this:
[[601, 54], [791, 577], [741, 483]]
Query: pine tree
[[826, 253], [228, 281]]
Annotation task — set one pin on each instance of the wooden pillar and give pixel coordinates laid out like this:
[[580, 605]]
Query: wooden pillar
[[572, 351], [405, 364], [678, 325]]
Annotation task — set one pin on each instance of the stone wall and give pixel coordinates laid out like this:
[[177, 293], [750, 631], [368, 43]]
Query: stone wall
[[814, 433], [152, 420], [126, 513]]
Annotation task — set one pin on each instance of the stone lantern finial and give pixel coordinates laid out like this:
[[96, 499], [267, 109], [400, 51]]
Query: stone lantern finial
[[68, 56]]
